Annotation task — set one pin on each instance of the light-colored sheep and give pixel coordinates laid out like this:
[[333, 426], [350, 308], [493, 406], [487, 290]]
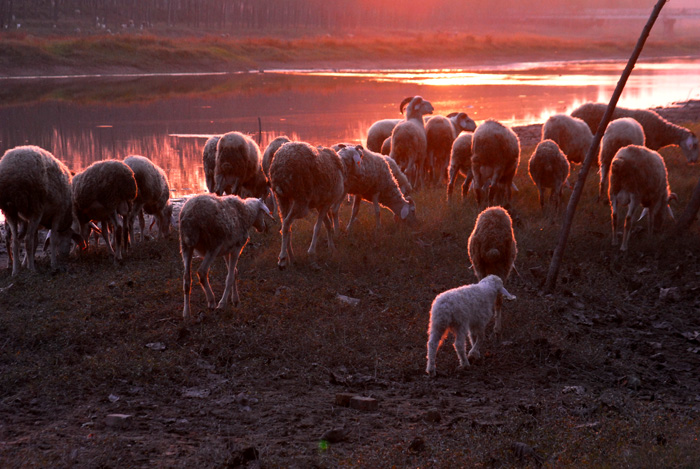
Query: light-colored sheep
[[492, 249], [152, 195], [269, 153], [378, 132], [638, 177], [441, 132], [460, 163], [619, 133], [217, 226], [495, 158], [549, 169], [408, 140], [658, 132], [375, 182], [465, 310], [571, 134], [209, 161], [36, 191], [105, 191], [239, 167], [305, 178]]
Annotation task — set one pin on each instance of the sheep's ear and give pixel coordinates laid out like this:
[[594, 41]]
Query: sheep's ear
[[341, 145], [404, 211]]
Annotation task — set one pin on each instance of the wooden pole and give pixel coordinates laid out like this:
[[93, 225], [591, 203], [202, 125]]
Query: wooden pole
[[593, 151]]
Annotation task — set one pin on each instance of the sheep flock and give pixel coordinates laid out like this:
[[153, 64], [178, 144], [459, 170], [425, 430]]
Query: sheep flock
[[252, 187]]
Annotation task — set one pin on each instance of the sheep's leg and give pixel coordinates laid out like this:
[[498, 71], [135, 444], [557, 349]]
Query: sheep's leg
[[142, 226], [14, 230], [465, 185], [461, 347], [286, 255], [614, 219], [498, 314], [203, 274], [105, 235], [30, 241], [187, 279], [433, 345], [452, 176], [627, 230], [377, 213], [317, 229], [329, 230], [476, 336], [495, 177], [231, 289], [356, 201], [540, 190], [478, 184]]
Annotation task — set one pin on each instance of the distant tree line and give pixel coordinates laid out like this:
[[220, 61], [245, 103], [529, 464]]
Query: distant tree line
[[244, 16]]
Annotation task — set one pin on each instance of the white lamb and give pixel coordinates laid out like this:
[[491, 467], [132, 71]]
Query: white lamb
[[571, 134], [217, 226], [619, 133], [465, 310]]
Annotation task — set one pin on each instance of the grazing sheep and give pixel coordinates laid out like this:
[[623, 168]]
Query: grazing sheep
[[209, 161], [105, 191], [217, 226], [408, 139], [619, 133], [495, 158], [152, 195], [549, 169], [658, 132], [379, 132], [270, 151], [36, 191], [638, 177], [375, 182], [440, 134], [239, 166], [460, 163], [465, 310], [305, 178], [571, 134], [492, 249]]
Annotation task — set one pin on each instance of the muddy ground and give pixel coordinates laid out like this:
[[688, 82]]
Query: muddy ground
[[98, 369]]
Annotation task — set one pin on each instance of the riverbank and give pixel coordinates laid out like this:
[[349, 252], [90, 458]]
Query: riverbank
[[26, 55]]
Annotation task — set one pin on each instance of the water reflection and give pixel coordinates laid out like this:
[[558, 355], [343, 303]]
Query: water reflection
[[168, 118]]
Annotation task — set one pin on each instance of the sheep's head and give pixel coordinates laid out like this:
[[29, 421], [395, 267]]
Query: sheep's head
[[408, 213], [261, 213], [689, 145], [463, 122], [351, 156], [415, 106]]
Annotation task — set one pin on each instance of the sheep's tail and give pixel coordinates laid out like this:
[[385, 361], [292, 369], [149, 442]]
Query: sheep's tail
[[492, 255]]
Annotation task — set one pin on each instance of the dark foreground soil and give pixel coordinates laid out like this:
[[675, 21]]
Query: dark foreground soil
[[98, 369]]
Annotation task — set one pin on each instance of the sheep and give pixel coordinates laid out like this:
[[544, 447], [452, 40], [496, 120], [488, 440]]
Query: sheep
[[440, 134], [658, 132], [386, 146], [408, 139], [492, 249], [571, 134], [303, 178], [463, 311], [375, 182], [379, 132], [217, 226], [638, 177], [270, 151], [152, 195], [619, 133], [460, 163], [495, 158], [239, 166], [209, 161], [105, 191], [36, 191], [549, 169]]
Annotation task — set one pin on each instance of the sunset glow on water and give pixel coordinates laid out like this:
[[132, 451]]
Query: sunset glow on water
[[169, 118]]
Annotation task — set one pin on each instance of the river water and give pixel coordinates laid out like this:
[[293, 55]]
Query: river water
[[168, 117]]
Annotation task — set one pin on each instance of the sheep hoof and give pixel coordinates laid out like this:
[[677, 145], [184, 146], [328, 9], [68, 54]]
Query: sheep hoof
[[431, 374], [212, 305]]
